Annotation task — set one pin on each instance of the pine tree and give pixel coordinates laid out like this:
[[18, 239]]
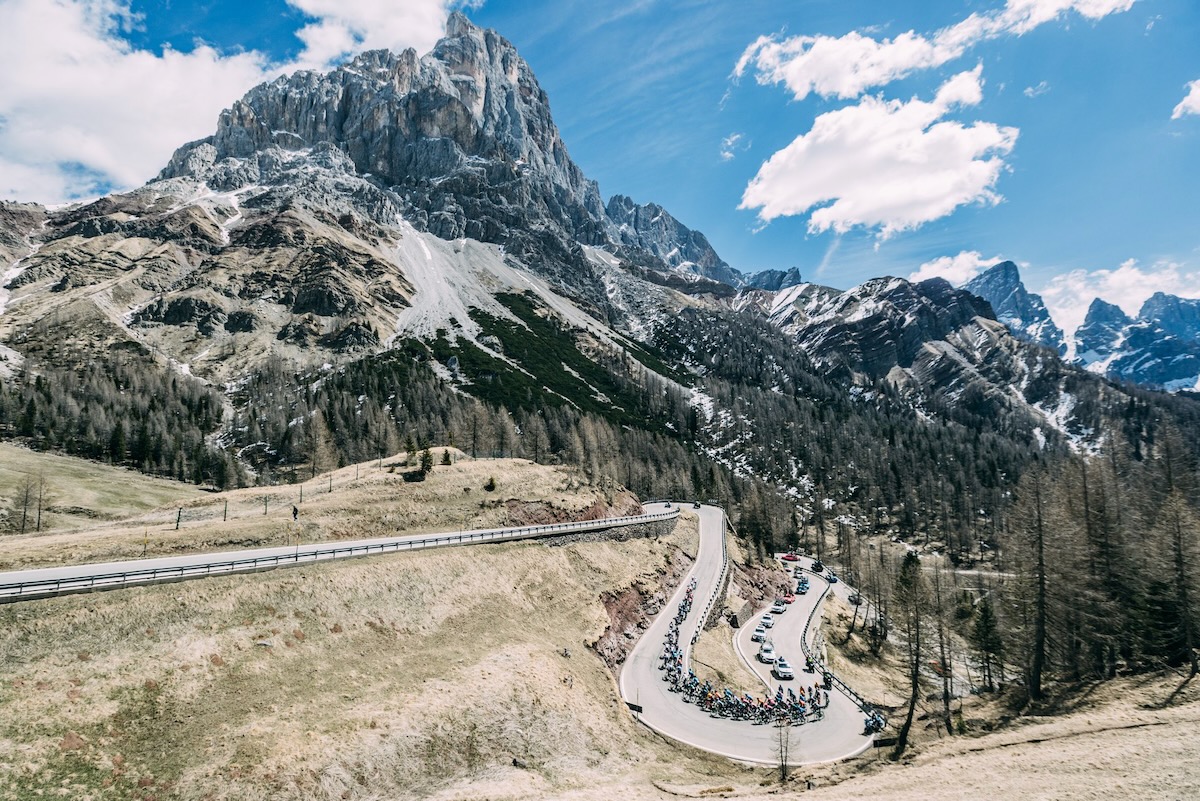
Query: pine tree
[[985, 637], [911, 603]]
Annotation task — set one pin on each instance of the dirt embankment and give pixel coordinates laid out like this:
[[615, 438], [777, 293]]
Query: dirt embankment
[[541, 513], [631, 609], [751, 586]]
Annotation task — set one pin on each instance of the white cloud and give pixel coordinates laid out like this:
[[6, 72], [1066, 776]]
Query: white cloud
[[1022, 16], [1037, 91], [1068, 295], [955, 269], [885, 164], [730, 146], [83, 111], [1190, 104], [344, 27], [846, 66]]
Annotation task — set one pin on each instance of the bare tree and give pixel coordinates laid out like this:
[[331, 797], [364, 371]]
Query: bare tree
[[783, 739], [24, 497], [947, 669], [44, 496]]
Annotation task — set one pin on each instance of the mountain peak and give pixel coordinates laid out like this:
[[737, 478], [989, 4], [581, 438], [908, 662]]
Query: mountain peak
[[457, 24], [1101, 311], [776, 280], [1023, 312], [1005, 272], [652, 228], [1175, 315]]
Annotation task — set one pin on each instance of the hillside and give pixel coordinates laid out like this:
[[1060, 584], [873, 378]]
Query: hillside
[[368, 500], [78, 493], [465, 673]]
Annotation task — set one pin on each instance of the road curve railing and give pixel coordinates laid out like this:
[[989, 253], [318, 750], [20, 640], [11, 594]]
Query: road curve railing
[[137, 573], [718, 591], [818, 662]]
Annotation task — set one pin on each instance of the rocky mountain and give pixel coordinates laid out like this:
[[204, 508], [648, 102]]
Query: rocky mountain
[[325, 203], [938, 346], [651, 228], [775, 280], [403, 247], [1179, 317], [1158, 348], [1023, 312]]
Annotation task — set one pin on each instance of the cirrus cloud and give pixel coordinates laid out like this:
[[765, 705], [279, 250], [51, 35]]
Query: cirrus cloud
[[885, 164]]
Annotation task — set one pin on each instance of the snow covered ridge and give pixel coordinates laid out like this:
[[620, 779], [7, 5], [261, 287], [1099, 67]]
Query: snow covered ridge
[[1159, 348]]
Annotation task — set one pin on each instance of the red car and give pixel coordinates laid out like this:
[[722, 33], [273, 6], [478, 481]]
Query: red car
[[790, 557], [789, 599]]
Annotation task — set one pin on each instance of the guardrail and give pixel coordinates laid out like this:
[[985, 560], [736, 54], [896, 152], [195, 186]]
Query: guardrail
[[720, 577], [809, 653], [50, 587]]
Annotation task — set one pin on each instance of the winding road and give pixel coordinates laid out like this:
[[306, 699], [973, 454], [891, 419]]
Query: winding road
[[25, 585], [837, 736]]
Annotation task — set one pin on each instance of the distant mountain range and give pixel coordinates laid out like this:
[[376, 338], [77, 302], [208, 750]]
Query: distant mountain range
[[1159, 348], [405, 232]]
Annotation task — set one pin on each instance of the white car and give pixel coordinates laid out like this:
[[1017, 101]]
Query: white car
[[783, 670], [767, 621], [779, 607], [766, 654], [759, 635]]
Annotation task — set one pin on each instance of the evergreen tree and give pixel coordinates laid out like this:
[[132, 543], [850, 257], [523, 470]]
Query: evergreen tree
[[911, 603]]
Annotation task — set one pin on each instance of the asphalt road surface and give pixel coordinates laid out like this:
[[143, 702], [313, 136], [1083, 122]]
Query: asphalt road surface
[[32, 584], [837, 736]]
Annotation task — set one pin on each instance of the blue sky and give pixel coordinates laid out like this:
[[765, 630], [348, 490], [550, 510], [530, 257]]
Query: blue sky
[[1042, 130]]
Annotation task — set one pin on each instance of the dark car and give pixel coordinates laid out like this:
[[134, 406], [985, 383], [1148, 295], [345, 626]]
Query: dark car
[[818, 566], [696, 505]]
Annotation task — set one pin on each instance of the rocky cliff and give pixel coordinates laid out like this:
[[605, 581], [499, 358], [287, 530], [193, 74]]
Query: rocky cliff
[[651, 228], [1023, 312], [1158, 348]]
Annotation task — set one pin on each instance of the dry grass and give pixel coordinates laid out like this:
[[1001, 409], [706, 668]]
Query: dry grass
[[880, 679], [396, 676], [81, 493], [365, 501], [716, 660]]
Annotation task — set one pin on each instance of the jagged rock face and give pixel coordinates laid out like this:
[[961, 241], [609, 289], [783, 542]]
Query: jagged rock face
[[652, 229], [879, 325], [1102, 332], [775, 280], [18, 223], [1176, 316], [1160, 348], [463, 134], [1023, 312]]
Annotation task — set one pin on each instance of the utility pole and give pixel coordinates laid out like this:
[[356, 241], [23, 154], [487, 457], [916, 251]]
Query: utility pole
[[225, 519], [178, 517]]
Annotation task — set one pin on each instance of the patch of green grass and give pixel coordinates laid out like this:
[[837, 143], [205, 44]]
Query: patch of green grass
[[557, 371]]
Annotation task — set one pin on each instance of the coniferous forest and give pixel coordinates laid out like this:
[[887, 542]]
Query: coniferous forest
[[1087, 559]]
